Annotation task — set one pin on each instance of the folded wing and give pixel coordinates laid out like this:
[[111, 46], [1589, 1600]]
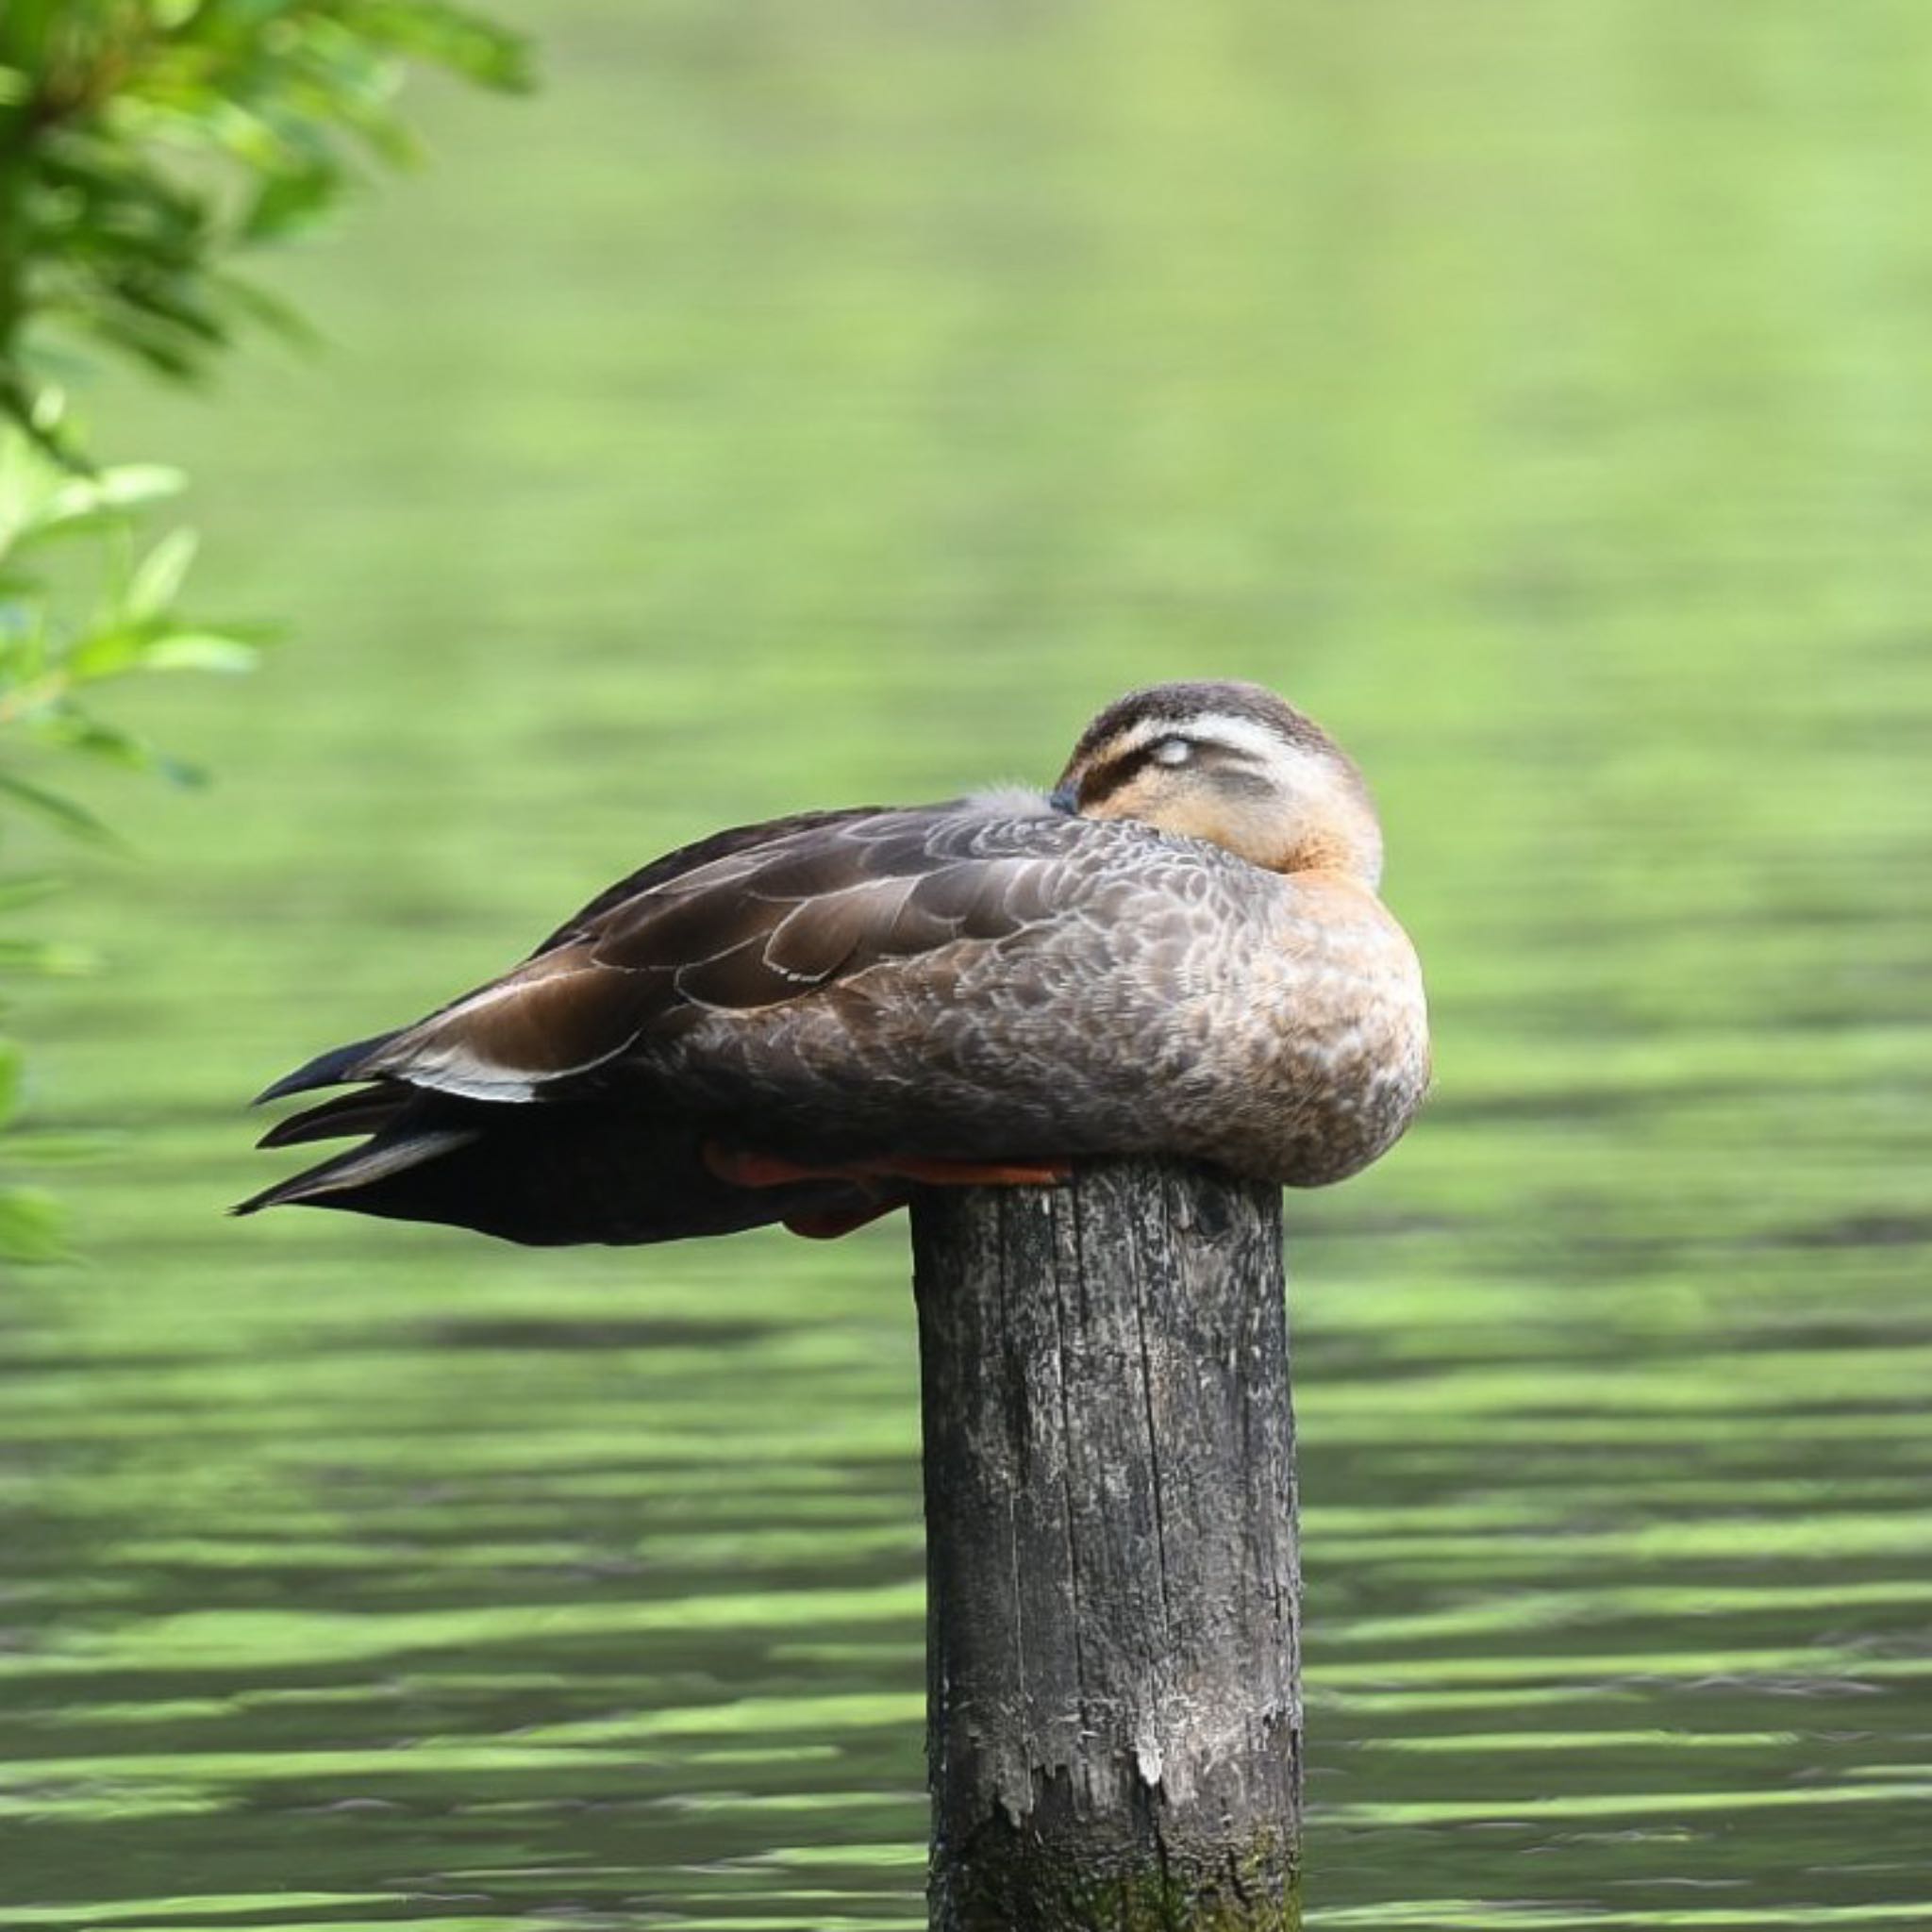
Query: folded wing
[[763, 916]]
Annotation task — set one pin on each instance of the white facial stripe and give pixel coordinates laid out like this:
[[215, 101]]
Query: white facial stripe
[[1243, 736], [1144, 734]]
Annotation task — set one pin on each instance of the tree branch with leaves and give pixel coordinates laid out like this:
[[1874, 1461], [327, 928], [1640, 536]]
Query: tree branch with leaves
[[147, 149]]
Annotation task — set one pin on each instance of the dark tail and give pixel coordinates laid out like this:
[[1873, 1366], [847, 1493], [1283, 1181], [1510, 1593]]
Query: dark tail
[[352, 1174], [331, 1069], [544, 1174]]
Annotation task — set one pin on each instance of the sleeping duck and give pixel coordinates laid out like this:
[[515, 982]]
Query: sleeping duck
[[1179, 949]]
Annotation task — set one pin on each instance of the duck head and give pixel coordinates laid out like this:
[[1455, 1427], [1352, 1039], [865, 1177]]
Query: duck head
[[1231, 763]]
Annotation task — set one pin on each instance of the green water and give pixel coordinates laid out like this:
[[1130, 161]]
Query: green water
[[803, 406]]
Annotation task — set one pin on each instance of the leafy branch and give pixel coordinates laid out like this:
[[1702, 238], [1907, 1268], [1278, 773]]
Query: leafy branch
[[145, 143], [144, 146]]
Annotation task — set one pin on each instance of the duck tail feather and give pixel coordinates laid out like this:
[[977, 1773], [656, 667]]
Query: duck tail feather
[[331, 1068], [369, 1110], [358, 1168]]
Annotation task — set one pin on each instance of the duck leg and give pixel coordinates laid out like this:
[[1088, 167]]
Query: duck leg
[[938, 1173], [882, 1181], [743, 1170]]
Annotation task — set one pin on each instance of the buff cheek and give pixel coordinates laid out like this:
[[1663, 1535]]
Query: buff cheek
[[1142, 797]]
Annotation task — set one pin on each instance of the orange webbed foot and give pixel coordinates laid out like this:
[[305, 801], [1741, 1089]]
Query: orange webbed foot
[[746, 1169], [936, 1173]]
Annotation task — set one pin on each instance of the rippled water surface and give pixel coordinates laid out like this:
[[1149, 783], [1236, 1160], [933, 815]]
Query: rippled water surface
[[799, 406]]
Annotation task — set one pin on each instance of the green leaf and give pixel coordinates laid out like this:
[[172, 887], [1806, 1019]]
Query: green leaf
[[157, 579], [106, 652], [293, 203], [157, 349], [72, 817], [130, 486], [200, 650], [126, 487], [455, 38], [74, 730], [270, 311], [12, 1066], [32, 1227]]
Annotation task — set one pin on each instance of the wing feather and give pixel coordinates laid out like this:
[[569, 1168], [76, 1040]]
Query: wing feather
[[819, 938], [753, 919]]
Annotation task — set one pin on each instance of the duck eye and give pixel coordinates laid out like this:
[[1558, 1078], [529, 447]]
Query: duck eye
[[1172, 751]]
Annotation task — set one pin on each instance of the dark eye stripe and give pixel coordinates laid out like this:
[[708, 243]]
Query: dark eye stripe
[[1105, 781], [1231, 778], [1222, 762]]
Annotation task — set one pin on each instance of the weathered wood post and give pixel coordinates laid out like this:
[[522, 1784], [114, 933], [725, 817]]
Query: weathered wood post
[[1113, 1641]]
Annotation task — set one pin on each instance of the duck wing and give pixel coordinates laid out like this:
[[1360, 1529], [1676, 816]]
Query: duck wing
[[983, 978], [687, 859], [753, 918]]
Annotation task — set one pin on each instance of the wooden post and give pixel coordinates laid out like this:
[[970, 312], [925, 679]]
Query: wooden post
[[1113, 1623]]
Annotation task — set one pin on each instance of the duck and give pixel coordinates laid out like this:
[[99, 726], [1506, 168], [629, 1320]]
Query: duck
[[1179, 948]]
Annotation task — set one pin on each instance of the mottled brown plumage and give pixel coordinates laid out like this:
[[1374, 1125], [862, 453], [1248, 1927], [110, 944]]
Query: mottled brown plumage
[[1179, 950]]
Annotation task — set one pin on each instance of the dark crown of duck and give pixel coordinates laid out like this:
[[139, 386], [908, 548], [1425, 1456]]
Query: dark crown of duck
[[1178, 950]]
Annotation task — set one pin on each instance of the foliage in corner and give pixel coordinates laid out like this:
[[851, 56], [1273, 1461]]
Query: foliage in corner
[[145, 147]]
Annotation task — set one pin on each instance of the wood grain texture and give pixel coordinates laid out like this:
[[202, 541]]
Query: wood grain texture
[[1113, 1620]]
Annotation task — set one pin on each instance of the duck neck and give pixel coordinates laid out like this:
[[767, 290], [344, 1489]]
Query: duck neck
[[1353, 853]]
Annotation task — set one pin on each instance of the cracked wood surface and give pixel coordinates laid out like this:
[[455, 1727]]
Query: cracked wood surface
[[1113, 1621]]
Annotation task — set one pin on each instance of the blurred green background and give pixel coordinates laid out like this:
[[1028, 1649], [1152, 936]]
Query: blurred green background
[[801, 406]]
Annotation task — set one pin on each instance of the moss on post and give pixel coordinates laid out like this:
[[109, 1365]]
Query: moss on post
[[1113, 1622]]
